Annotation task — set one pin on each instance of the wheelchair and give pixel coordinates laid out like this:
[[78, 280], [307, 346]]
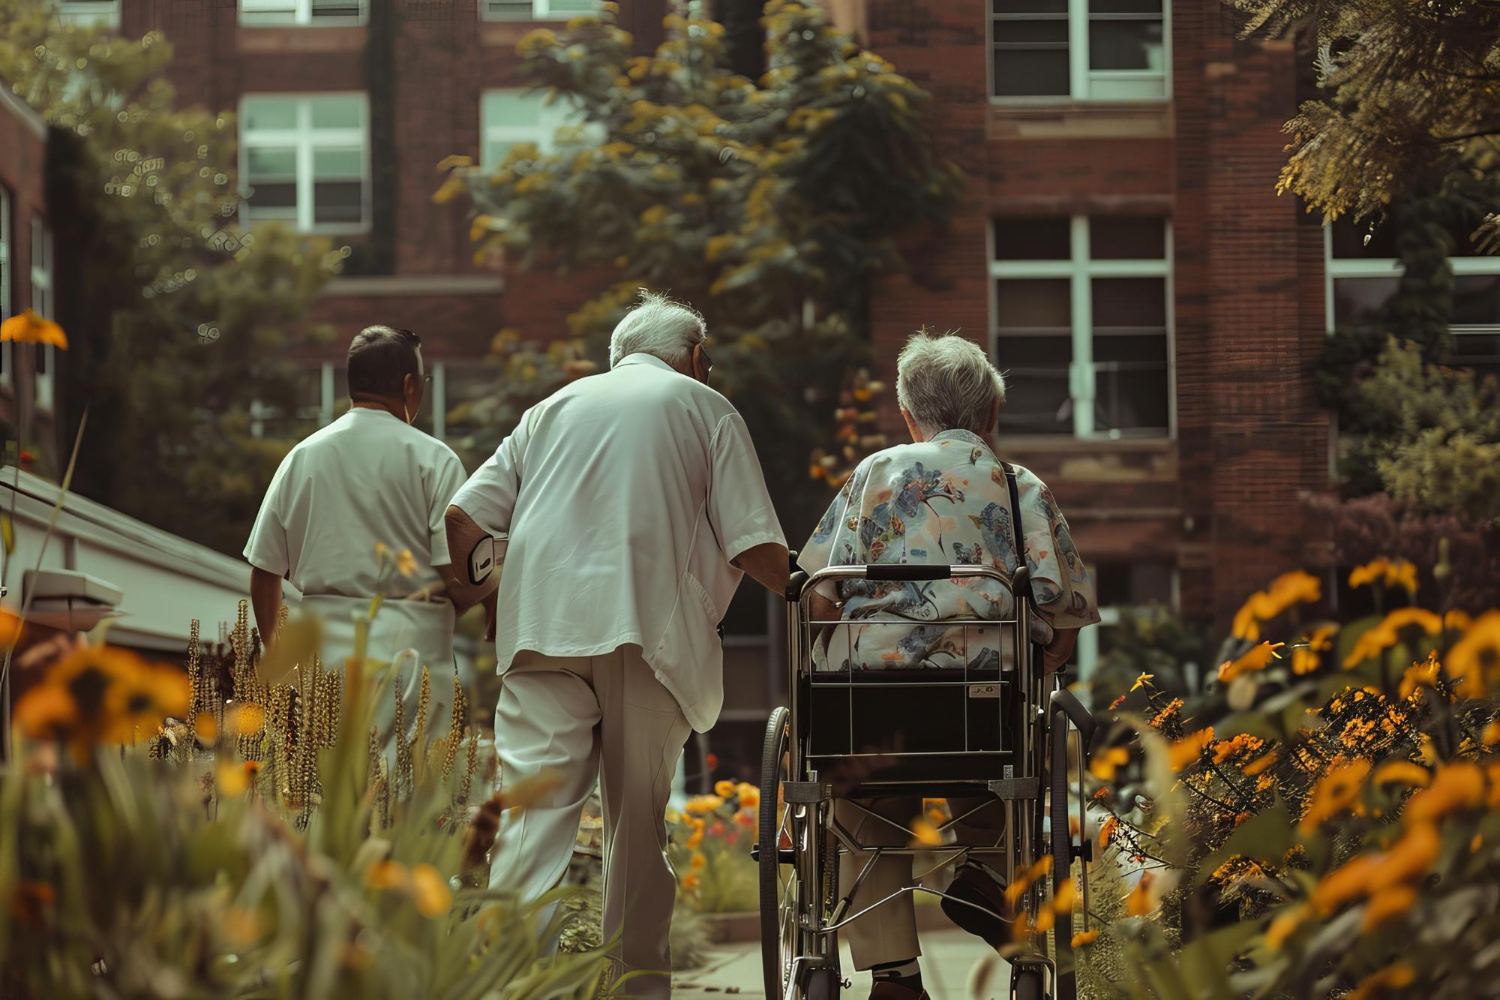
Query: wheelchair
[[992, 729]]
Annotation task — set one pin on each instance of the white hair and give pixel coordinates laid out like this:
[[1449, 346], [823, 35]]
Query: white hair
[[658, 326], [947, 383]]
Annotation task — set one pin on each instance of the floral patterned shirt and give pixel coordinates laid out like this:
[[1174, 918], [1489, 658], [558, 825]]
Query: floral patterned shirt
[[944, 500]]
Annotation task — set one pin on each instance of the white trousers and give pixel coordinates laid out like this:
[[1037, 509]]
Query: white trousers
[[582, 719]]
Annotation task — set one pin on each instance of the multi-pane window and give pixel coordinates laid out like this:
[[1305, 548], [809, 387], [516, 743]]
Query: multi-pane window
[[88, 13], [319, 13], [535, 10], [1083, 324], [510, 117], [43, 301], [5, 308], [1363, 273], [305, 160], [1121, 587], [1078, 49]]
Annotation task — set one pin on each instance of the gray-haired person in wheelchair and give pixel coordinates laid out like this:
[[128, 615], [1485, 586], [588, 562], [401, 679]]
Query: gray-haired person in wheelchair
[[944, 498]]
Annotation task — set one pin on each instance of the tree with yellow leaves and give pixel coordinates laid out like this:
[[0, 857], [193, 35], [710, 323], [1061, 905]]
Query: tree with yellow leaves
[[767, 204]]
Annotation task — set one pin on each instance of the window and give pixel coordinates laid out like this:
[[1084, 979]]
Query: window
[[1121, 587], [1083, 325], [1079, 49], [1363, 272], [88, 13], [535, 10], [318, 13], [44, 302], [511, 117], [305, 160], [5, 351]]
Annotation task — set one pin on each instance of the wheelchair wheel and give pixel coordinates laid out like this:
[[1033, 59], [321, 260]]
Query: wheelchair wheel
[[1062, 862], [787, 894]]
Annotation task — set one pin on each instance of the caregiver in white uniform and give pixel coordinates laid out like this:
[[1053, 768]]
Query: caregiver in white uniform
[[368, 483]]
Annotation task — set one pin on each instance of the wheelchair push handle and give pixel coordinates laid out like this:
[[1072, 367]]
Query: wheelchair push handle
[[909, 571]]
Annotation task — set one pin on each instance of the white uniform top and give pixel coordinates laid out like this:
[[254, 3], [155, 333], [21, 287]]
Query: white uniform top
[[366, 478], [625, 496]]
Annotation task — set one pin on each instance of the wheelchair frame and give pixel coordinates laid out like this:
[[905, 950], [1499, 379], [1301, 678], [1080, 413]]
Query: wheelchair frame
[[801, 844]]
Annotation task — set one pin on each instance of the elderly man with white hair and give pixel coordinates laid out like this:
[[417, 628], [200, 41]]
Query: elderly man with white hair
[[944, 498], [633, 503]]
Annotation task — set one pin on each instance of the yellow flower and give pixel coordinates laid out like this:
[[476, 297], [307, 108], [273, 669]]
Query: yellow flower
[[406, 564], [1085, 938], [1491, 734], [1254, 660], [1456, 786], [230, 781], [1104, 763], [724, 789], [700, 804], [1402, 772], [1062, 900], [1144, 680], [382, 550], [30, 328], [429, 890], [923, 832], [1261, 763], [697, 861], [1138, 903], [749, 795], [1335, 792], [1107, 831], [1420, 675], [653, 215], [387, 875]]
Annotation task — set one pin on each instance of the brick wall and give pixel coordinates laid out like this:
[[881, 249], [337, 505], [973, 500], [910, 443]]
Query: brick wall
[[1221, 501]]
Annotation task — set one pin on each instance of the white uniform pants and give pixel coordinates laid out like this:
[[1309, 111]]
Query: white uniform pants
[[581, 719]]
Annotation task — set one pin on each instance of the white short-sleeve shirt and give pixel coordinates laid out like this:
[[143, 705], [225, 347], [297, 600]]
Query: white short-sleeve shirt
[[625, 497], [366, 478]]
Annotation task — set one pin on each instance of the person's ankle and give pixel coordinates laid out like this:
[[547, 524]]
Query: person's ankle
[[907, 973]]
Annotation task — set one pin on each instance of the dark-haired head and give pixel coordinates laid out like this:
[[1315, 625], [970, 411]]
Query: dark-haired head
[[386, 370]]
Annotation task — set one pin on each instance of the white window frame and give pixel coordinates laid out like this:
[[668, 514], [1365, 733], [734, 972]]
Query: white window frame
[[1086, 84], [42, 300], [1080, 270], [1086, 653], [533, 10], [299, 13], [1335, 268], [88, 13], [554, 115], [305, 139], [6, 354]]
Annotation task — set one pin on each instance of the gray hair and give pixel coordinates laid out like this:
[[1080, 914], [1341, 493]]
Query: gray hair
[[947, 383], [658, 326]]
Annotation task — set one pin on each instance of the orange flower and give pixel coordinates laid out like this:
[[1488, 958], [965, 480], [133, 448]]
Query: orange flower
[[1420, 675], [690, 881], [1381, 637], [430, 891], [101, 695], [697, 861], [1305, 657], [724, 789], [1347, 882], [749, 795], [30, 900], [1104, 764], [1459, 785], [1138, 903], [700, 804], [1283, 925], [1394, 977], [1256, 659], [1402, 772], [1491, 734], [246, 719], [1385, 904], [1188, 749], [10, 630], [925, 834], [1062, 900], [1474, 661], [1107, 831], [1259, 764], [1084, 938], [30, 328], [206, 727], [1335, 792], [1411, 857]]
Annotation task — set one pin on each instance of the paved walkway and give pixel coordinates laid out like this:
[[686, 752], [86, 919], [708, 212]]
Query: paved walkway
[[948, 957]]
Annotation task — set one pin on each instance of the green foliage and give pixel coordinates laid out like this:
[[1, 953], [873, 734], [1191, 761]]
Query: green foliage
[[1443, 451], [1408, 94], [768, 206], [177, 319], [1150, 639]]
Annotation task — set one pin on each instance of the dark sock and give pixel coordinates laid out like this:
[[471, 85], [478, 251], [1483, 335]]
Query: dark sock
[[907, 973]]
